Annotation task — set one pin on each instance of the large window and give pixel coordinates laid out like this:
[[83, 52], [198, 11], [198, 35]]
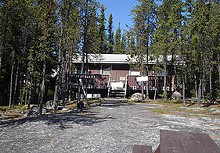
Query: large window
[[106, 69]]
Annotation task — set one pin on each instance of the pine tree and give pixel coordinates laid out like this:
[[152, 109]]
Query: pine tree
[[47, 27], [102, 33], [69, 38], [2, 33], [167, 36], [15, 45], [117, 46], [110, 34], [203, 26], [144, 25]]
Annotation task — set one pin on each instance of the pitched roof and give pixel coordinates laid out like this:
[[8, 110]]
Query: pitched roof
[[116, 59], [105, 58]]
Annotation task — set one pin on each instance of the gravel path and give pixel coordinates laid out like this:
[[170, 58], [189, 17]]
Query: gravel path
[[109, 128]]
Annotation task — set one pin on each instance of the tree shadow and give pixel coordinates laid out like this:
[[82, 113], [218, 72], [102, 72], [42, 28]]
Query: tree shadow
[[114, 105], [61, 120]]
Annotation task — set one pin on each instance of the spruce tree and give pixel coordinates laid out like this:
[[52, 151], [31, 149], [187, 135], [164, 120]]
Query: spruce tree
[[102, 31], [144, 26], [118, 37], [110, 34]]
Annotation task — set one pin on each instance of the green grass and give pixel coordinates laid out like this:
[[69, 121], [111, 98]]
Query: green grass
[[173, 107], [160, 111]]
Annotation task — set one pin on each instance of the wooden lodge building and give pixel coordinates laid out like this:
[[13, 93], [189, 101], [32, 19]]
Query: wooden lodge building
[[111, 75]]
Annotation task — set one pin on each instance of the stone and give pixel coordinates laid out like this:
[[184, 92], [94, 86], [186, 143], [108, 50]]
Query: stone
[[137, 97], [176, 96], [215, 111]]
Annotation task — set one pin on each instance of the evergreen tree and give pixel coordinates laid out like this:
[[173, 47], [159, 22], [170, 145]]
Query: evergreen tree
[[167, 35], [110, 34], [69, 38], [117, 46], [144, 25], [204, 28], [130, 42], [123, 44], [47, 26], [102, 33]]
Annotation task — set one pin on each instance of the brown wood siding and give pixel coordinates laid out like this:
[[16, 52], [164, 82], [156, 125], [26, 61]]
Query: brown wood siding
[[119, 71], [95, 69], [133, 84]]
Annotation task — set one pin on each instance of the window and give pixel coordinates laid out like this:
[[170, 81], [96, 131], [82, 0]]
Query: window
[[106, 69]]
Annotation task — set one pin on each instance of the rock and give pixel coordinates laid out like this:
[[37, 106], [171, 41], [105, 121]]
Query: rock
[[34, 111], [215, 111], [137, 97], [176, 96], [65, 109], [50, 105]]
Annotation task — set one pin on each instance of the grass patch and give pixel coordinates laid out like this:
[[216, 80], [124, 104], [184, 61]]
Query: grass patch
[[160, 111], [175, 108], [12, 113], [71, 105]]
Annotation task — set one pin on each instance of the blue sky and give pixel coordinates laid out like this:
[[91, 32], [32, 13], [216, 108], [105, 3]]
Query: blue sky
[[120, 10]]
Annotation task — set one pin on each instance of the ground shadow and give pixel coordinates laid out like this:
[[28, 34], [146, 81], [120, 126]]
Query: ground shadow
[[61, 120], [115, 103]]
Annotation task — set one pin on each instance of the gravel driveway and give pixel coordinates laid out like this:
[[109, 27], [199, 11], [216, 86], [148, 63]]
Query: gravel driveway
[[109, 128]]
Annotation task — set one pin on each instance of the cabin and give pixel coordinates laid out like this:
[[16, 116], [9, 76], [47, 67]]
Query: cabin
[[114, 75]]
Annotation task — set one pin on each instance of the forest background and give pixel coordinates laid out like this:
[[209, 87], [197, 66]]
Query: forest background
[[38, 37]]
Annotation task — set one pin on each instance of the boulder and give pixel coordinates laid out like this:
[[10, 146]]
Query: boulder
[[34, 111], [137, 97], [215, 111], [176, 96]]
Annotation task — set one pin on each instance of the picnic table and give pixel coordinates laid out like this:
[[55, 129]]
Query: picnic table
[[181, 142], [142, 149], [186, 142]]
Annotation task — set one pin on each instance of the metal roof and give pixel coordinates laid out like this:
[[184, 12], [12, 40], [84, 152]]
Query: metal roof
[[116, 59]]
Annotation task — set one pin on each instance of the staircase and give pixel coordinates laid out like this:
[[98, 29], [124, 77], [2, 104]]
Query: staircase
[[117, 89], [117, 93]]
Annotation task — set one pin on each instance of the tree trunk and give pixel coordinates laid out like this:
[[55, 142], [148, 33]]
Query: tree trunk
[[199, 90], [196, 87], [165, 76], [147, 53], [11, 86], [183, 72], [2, 38], [171, 82], [29, 82], [70, 75], [218, 69], [1, 54], [56, 98], [42, 89], [210, 83], [183, 82], [147, 82], [29, 93], [85, 49], [15, 85], [11, 81], [142, 73], [155, 90]]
